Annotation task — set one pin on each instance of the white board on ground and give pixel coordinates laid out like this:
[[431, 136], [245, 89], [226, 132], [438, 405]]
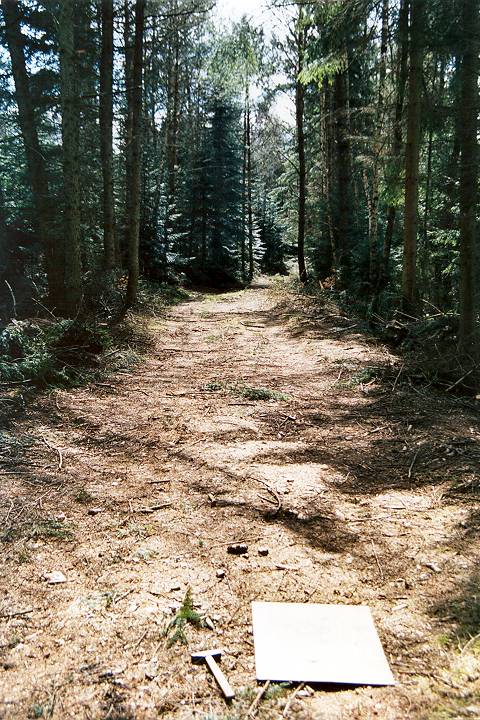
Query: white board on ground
[[318, 643]]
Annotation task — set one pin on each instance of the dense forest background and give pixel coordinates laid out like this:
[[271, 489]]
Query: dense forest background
[[140, 142]]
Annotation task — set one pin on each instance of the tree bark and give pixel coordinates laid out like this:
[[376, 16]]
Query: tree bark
[[72, 279], [299, 116], [135, 150], [106, 133], [468, 142], [35, 159], [412, 155]]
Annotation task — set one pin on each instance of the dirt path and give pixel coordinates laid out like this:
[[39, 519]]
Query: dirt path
[[246, 422]]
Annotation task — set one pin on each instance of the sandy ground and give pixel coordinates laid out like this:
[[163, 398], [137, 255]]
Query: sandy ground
[[256, 417]]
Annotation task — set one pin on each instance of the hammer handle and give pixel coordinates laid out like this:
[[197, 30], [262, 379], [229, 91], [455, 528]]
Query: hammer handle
[[222, 681]]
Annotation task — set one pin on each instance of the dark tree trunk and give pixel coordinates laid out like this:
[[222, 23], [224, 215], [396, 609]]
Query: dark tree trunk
[[302, 173], [344, 174], [106, 133], [70, 160], [128, 72], [374, 193], [35, 159], [330, 171], [402, 71], [412, 155], [135, 156], [468, 142], [249, 197], [243, 245]]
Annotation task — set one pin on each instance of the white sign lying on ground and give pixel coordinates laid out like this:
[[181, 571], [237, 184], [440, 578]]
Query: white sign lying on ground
[[318, 643]]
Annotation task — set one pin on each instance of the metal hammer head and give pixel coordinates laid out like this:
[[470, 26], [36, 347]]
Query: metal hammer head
[[199, 657]]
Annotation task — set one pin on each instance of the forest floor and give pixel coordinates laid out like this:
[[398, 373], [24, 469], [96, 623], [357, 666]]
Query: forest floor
[[256, 417]]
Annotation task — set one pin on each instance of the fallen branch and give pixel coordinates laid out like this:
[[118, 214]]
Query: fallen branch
[[292, 698], [252, 710]]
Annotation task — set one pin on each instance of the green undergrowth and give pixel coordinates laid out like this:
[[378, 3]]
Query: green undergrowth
[[247, 391], [51, 352], [48, 529]]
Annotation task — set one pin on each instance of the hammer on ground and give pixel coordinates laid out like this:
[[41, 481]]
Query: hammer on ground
[[209, 656]]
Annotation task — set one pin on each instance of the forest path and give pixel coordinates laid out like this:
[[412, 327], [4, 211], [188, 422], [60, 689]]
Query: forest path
[[257, 417]]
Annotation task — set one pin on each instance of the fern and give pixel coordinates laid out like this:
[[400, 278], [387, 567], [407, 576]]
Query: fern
[[185, 615]]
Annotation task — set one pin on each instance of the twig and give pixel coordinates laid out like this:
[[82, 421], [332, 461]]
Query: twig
[[271, 490], [57, 450], [252, 710], [16, 382], [410, 469], [14, 309], [461, 379], [184, 350], [292, 698], [397, 378], [153, 508], [45, 308], [5, 520], [344, 329], [116, 600], [378, 561], [471, 642], [18, 613]]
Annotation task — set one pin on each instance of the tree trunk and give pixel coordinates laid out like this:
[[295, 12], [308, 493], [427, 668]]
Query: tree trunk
[[374, 194], [135, 155], [128, 73], [329, 132], [402, 70], [412, 155], [468, 141], [35, 159], [72, 280], [243, 247], [249, 196], [106, 133], [344, 211], [299, 116]]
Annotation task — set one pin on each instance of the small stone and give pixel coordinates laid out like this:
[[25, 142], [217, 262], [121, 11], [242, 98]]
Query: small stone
[[263, 551], [473, 710], [151, 671], [60, 517], [238, 549], [220, 574], [209, 623], [55, 578], [175, 587], [95, 511]]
